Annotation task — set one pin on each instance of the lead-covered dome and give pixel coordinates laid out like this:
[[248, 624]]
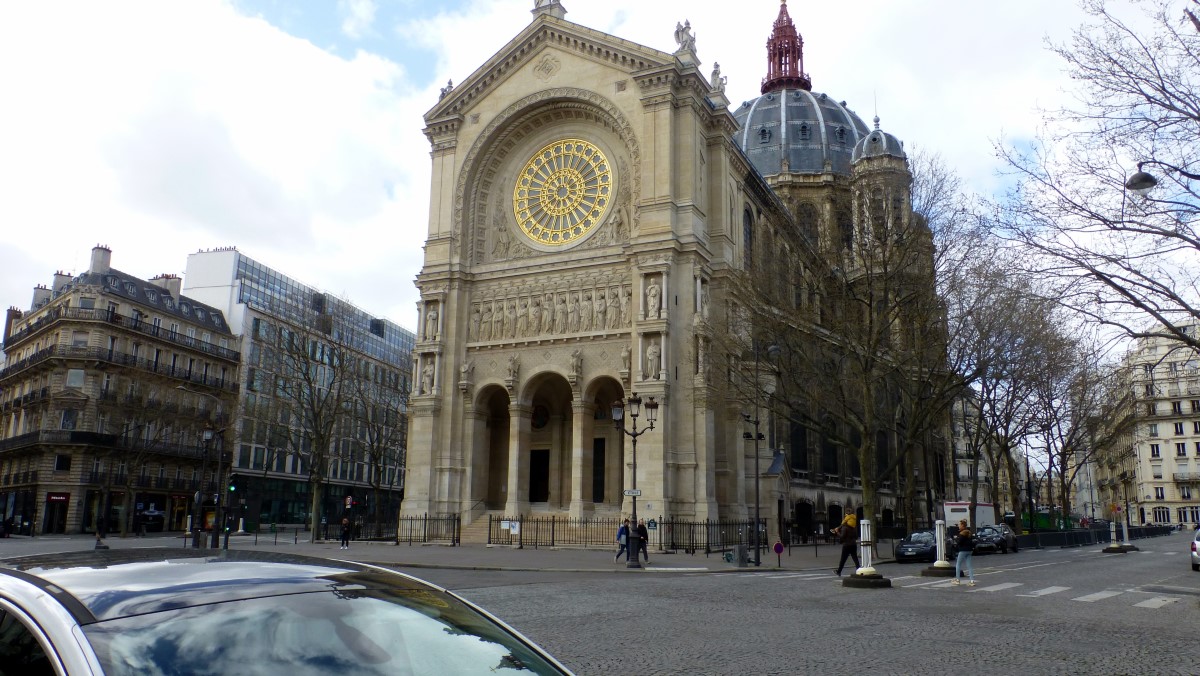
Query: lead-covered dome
[[811, 131], [878, 144], [790, 128]]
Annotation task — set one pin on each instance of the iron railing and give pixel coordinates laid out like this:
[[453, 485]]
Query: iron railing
[[105, 355], [133, 323], [665, 534]]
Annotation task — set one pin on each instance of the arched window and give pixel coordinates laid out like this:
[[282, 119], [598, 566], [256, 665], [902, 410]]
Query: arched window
[[747, 238]]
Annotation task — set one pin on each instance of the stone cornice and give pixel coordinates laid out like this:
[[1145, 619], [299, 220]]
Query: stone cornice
[[546, 31]]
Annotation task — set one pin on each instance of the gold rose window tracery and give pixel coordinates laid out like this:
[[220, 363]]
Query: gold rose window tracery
[[562, 192]]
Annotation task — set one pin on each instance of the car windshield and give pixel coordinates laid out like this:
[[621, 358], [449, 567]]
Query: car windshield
[[988, 531], [920, 538], [362, 631]]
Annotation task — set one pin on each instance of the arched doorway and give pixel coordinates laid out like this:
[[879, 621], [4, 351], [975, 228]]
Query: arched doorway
[[489, 477], [604, 480], [545, 460]]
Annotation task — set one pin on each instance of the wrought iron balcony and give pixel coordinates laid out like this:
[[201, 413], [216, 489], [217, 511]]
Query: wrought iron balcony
[[132, 323], [106, 356]]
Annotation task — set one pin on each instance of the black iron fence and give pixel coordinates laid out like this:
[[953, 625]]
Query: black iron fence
[[664, 534]]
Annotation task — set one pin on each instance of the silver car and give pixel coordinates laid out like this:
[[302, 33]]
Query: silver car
[[152, 611], [1196, 550]]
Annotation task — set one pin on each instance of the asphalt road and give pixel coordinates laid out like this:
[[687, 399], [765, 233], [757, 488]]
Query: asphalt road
[[1050, 611]]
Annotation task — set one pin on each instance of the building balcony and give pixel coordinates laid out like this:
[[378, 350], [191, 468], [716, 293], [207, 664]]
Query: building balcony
[[101, 356], [107, 441], [1186, 477], [114, 319]]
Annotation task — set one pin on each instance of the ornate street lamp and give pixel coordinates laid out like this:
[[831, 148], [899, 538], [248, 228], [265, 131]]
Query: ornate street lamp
[[218, 503], [634, 404]]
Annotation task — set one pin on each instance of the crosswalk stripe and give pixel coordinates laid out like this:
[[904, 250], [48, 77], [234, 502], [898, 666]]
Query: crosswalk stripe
[[1156, 602], [1045, 592], [926, 584], [1098, 596], [1000, 587], [799, 575]]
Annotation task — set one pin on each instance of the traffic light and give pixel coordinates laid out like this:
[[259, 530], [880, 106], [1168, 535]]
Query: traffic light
[[233, 484]]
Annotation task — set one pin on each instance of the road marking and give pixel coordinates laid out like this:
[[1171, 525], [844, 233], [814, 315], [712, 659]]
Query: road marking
[[1045, 592], [926, 584], [1000, 587], [1156, 602], [799, 576], [1098, 596], [1170, 553]]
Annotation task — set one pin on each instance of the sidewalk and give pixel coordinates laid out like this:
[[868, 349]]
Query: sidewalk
[[822, 557]]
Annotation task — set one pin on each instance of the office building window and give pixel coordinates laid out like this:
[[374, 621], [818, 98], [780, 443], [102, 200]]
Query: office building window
[[1177, 407], [1153, 431], [1179, 429]]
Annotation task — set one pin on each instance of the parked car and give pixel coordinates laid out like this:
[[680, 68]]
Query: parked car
[[146, 611], [1001, 535], [918, 545], [1196, 551]]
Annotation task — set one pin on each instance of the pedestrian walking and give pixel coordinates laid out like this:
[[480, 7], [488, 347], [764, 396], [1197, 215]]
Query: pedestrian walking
[[345, 533], [622, 541], [847, 533], [643, 536], [965, 543]]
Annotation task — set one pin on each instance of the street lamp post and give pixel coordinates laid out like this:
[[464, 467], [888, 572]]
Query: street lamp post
[[618, 414], [1142, 182], [772, 353], [197, 521]]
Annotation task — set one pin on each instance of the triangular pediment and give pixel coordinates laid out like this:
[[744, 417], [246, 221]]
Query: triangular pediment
[[546, 31]]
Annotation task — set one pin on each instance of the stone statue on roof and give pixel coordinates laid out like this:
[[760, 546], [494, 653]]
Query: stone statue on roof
[[684, 37]]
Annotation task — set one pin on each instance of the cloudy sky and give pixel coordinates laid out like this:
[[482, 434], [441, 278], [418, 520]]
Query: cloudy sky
[[292, 130]]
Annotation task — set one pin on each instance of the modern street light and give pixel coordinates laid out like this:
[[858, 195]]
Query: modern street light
[[618, 415], [772, 354], [1142, 182]]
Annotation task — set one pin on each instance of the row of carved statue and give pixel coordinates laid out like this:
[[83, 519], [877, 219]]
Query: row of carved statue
[[551, 314]]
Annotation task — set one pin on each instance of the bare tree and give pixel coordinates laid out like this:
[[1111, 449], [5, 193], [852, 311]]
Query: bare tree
[[308, 372], [379, 399], [1122, 260]]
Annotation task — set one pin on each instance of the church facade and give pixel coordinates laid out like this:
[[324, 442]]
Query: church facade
[[591, 200]]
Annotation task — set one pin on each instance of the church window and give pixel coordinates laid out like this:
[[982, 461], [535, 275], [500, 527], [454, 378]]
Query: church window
[[747, 238], [804, 132], [840, 135], [764, 135]]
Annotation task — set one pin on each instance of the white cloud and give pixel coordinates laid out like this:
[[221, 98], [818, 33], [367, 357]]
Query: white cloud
[[357, 16], [161, 128]]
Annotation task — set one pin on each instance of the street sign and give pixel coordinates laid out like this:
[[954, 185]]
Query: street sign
[[651, 525], [349, 501], [633, 493]]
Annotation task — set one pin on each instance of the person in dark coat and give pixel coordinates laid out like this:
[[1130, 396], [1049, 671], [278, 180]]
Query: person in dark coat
[[644, 536], [847, 534], [345, 533]]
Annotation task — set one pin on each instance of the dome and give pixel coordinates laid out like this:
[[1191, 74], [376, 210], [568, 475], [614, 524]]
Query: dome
[[878, 144], [805, 128]]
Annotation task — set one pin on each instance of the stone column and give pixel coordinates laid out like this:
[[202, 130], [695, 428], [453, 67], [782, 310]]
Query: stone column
[[473, 429], [582, 424], [519, 422]]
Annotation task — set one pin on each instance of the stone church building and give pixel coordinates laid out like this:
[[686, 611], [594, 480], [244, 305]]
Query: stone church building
[[591, 198]]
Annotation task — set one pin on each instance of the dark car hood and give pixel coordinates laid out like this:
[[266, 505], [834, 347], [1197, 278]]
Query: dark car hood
[[120, 583]]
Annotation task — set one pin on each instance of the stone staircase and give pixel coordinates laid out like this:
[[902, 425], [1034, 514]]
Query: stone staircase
[[476, 533]]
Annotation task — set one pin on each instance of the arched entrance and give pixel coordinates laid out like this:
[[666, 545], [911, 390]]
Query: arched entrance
[[803, 526], [489, 462]]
